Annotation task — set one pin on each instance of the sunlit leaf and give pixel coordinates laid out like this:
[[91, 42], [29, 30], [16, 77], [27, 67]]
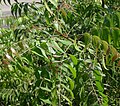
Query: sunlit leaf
[[65, 42], [57, 47], [45, 89], [34, 52], [9, 57], [73, 71], [69, 90], [46, 101], [43, 52], [47, 7], [74, 59], [103, 62], [54, 2], [67, 99], [105, 99]]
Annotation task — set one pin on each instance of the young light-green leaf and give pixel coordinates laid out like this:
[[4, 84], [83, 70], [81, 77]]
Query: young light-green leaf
[[74, 59]]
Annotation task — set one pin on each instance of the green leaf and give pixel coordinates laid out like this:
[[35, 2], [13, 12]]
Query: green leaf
[[54, 2], [45, 89], [97, 75], [116, 36], [70, 103], [47, 7], [57, 47], [96, 41], [43, 52], [56, 25], [107, 22], [105, 99], [118, 18], [73, 71], [99, 86], [69, 90], [113, 50], [74, 59], [51, 50], [95, 31], [76, 47], [14, 9], [34, 52], [46, 101], [65, 42], [71, 82], [104, 46], [87, 38], [64, 13], [98, 80], [82, 91], [103, 63]]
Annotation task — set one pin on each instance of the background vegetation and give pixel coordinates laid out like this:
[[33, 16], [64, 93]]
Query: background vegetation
[[61, 53]]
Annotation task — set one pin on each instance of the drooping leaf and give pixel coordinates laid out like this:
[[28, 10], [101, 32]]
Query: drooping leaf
[[34, 52], [103, 62], [73, 71], [74, 59], [71, 82], [115, 56], [106, 34], [5, 1], [56, 25], [98, 75], [47, 101], [65, 42], [116, 36], [95, 31], [47, 7], [104, 46], [96, 41], [87, 38], [57, 47], [113, 50], [43, 52], [45, 89], [105, 99], [76, 46], [118, 64], [9, 57], [67, 99], [69, 90], [98, 80], [54, 2], [64, 13]]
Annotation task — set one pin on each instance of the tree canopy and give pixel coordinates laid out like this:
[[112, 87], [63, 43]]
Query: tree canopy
[[60, 53]]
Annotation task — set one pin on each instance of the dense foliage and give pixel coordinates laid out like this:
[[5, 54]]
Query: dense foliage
[[60, 53]]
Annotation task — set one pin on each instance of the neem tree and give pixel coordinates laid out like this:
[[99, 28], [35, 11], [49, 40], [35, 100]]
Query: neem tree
[[59, 54]]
